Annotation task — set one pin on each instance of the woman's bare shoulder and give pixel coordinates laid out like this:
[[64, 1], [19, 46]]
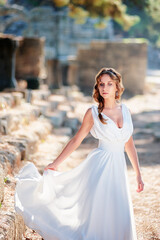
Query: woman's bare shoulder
[[89, 111], [88, 115], [126, 107]]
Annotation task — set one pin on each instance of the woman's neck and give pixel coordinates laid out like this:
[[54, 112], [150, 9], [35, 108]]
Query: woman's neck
[[110, 104]]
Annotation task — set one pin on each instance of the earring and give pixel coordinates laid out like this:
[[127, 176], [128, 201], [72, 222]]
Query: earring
[[116, 94]]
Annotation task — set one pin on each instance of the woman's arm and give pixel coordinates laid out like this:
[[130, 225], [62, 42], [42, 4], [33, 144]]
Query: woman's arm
[[132, 154], [74, 143]]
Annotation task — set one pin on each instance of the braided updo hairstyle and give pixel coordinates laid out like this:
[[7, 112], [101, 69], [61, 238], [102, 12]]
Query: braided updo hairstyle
[[114, 75]]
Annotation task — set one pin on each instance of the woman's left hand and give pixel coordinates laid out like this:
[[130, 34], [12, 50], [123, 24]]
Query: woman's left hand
[[51, 166], [140, 184]]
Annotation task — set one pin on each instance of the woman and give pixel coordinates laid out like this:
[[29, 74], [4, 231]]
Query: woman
[[91, 201]]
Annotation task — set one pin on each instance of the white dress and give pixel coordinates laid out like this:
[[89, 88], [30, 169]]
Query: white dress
[[89, 202]]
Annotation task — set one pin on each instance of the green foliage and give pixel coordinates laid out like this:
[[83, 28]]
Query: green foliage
[[100, 9], [2, 2], [101, 24], [128, 21], [61, 3], [148, 25], [153, 10], [78, 13]]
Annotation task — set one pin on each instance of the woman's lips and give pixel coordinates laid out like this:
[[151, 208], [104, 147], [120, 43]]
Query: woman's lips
[[105, 93]]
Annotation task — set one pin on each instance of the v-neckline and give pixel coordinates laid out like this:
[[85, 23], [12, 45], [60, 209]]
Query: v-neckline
[[113, 121]]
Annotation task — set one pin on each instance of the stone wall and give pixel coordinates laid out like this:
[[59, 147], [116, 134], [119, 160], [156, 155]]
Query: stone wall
[[61, 32], [130, 59]]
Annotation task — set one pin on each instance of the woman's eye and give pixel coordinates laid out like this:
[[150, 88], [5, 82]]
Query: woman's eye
[[110, 84]]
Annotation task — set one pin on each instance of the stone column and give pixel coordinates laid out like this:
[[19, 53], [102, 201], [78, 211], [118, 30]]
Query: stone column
[[54, 77], [72, 71], [8, 47], [64, 67], [30, 60], [66, 74]]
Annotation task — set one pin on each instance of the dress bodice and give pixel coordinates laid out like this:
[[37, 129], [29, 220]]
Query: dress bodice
[[110, 132]]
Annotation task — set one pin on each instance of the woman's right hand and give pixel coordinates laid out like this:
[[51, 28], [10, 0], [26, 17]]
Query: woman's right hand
[[140, 184], [51, 166]]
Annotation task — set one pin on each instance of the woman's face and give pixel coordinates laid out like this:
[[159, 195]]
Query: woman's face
[[107, 87]]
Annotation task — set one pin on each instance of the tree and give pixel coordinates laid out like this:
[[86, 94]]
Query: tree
[[103, 10], [149, 24]]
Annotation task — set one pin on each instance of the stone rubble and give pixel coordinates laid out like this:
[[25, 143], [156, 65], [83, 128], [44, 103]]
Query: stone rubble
[[23, 127]]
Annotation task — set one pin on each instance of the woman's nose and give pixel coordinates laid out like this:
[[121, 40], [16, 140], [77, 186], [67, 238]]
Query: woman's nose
[[104, 87]]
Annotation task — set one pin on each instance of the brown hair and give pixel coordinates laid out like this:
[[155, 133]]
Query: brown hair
[[114, 75]]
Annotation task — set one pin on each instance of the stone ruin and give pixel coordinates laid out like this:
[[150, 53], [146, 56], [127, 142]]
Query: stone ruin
[[28, 62], [60, 31], [20, 59], [62, 37], [65, 65]]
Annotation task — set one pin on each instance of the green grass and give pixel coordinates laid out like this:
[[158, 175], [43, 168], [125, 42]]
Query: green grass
[[5, 179]]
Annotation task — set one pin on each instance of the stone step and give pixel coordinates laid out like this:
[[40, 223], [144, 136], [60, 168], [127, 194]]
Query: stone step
[[25, 128], [55, 100], [72, 93], [6, 101], [41, 94], [11, 99], [66, 107], [11, 224], [41, 127], [10, 157], [63, 131], [43, 105], [33, 133], [20, 143], [13, 119], [56, 118], [55, 109], [71, 122], [62, 114]]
